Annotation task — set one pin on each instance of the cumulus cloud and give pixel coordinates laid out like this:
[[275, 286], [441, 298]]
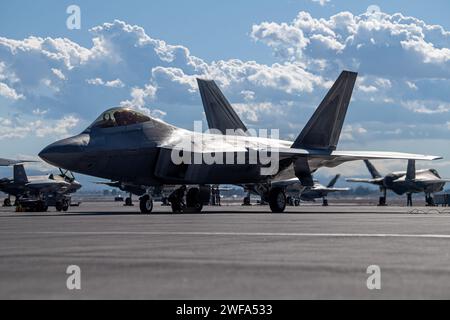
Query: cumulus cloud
[[321, 2], [127, 67], [18, 127], [112, 84], [9, 93]]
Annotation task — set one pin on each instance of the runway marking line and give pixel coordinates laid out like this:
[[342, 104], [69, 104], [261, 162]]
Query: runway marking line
[[254, 234]]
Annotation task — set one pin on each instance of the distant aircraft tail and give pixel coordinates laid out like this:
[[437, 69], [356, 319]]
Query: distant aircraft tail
[[324, 128], [20, 176], [219, 112], [411, 170], [373, 171], [333, 181]]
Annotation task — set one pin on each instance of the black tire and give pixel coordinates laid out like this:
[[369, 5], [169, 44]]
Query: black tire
[[176, 206], [277, 200], [59, 206], [146, 204], [193, 200], [41, 206], [7, 202]]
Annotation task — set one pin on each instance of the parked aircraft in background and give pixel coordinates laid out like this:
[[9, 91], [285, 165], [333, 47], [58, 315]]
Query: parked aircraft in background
[[319, 191], [406, 182], [37, 193], [126, 145]]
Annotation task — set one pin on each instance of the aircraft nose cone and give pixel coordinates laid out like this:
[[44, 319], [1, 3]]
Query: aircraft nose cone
[[76, 185], [63, 153]]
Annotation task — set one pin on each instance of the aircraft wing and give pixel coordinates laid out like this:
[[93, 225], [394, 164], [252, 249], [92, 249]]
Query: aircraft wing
[[367, 155], [435, 181], [362, 180], [328, 190], [285, 183], [335, 158], [9, 162], [115, 184], [135, 189]]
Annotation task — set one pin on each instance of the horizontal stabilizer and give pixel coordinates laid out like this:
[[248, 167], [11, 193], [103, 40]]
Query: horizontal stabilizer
[[361, 180], [9, 162]]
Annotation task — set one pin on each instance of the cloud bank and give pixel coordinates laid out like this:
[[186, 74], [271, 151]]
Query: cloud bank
[[403, 62]]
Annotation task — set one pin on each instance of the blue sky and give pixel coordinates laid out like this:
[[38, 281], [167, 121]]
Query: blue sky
[[273, 67]]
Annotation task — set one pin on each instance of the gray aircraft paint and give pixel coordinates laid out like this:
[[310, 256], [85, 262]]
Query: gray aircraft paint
[[403, 182], [22, 184]]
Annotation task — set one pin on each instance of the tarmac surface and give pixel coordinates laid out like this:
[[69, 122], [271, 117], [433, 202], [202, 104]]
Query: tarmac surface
[[229, 252]]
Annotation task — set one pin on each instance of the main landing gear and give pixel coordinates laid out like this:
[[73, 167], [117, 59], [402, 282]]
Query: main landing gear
[[277, 200], [429, 200], [129, 200], [62, 205], [382, 201], [194, 200], [7, 202]]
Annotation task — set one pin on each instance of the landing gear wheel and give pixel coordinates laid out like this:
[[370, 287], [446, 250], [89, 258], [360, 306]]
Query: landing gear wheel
[[128, 202], [65, 206], [176, 206], [59, 206], [277, 200], [176, 200], [41, 206], [7, 203], [193, 200], [146, 204]]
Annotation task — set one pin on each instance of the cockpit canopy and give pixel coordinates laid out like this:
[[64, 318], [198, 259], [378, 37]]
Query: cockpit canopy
[[118, 117]]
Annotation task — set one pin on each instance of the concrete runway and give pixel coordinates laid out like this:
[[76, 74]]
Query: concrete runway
[[230, 252]]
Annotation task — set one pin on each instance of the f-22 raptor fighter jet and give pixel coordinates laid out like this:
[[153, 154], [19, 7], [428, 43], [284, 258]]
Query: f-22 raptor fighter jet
[[409, 182], [128, 146], [37, 193], [319, 191]]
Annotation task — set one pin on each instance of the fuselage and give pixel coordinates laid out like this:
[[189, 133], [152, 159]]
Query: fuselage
[[39, 185], [142, 154], [423, 182], [125, 145]]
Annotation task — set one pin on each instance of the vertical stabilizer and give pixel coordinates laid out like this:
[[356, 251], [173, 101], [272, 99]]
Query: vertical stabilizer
[[373, 171], [411, 170], [219, 112], [20, 175], [333, 181], [324, 128]]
